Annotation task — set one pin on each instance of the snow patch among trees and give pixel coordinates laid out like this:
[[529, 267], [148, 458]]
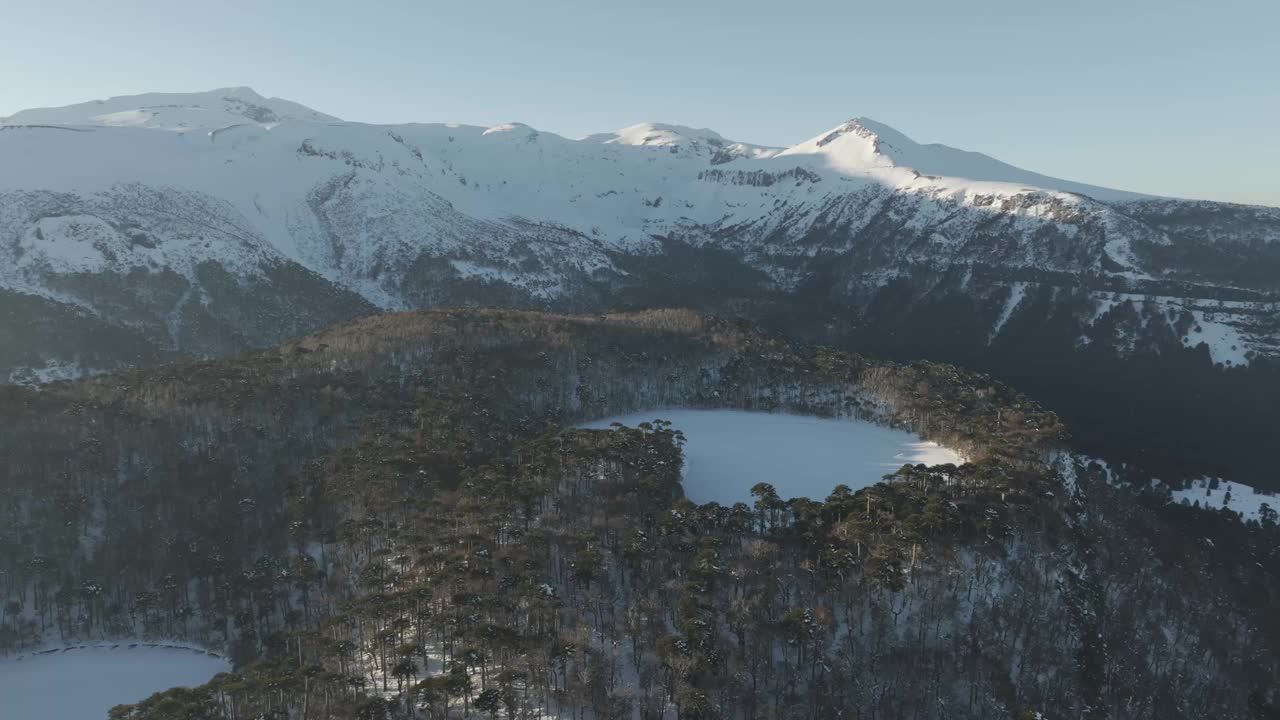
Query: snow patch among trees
[[1214, 494]]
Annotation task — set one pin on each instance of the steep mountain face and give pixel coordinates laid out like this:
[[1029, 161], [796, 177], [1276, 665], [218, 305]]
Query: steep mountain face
[[208, 223]]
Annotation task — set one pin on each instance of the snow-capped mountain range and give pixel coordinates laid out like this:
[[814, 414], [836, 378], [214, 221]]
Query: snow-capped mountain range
[[210, 222]]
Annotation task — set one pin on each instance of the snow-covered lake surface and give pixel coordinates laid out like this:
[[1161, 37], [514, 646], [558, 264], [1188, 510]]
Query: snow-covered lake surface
[[83, 684], [729, 451]]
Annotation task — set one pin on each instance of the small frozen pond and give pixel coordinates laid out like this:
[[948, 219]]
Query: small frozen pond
[[728, 451], [83, 684]]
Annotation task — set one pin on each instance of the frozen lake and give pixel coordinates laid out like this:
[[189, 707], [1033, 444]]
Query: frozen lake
[[728, 451], [85, 684]]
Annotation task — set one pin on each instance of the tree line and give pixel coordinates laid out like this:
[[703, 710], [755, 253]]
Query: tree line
[[390, 519]]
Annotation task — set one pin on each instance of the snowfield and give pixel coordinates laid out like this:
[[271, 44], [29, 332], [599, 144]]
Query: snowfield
[[729, 451], [85, 683], [221, 193], [1245, 501]]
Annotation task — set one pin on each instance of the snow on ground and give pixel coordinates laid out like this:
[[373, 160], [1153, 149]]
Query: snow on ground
[[172, 111], [244, 181], [1226, 345], [1223, 326], [1241, 499], [1017, 292], [85, 683], [665, 135], [51, 371], [945, 161], [728, 451]]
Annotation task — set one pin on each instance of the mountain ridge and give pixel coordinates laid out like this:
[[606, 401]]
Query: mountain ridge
[[205, 232], [202, 108], [132, 110]]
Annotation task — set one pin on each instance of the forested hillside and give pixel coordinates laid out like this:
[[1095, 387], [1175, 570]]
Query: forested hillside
[[202, 225], [393, 519]]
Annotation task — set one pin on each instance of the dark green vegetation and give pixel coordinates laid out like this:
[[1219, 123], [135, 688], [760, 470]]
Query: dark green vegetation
[[389, 519], [1124, 381], [1163, 406], [33, 330]]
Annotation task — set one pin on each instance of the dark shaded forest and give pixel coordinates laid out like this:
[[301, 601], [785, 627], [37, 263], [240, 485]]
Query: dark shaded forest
[[1167, 408], [394, 519]]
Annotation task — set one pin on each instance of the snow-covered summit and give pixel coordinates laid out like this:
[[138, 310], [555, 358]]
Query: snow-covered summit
[[657, 134], [173, 111], [511, 127], [860, 147], [865, 146], [850, 147], [678, 138], [169, 214]]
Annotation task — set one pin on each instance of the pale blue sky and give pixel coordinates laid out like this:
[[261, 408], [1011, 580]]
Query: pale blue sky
[[1163, 96]]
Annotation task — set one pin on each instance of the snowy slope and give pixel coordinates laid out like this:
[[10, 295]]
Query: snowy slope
[[173, 111], [863, 146], [180, 214], [945, 161], [677, 138], [1247, 502]]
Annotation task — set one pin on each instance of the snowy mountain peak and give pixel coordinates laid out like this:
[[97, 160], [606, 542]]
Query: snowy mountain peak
[[658, 134], [174, 111], [851, 147], [679, 138], [863, 146], [861, 142], [418, 214], [511, 127]]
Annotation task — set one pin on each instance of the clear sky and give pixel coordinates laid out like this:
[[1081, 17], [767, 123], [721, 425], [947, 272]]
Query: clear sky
[[1171, 97]]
